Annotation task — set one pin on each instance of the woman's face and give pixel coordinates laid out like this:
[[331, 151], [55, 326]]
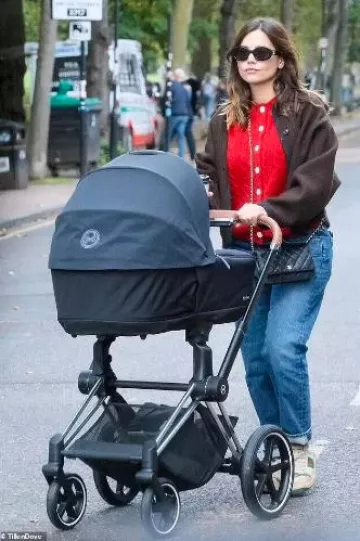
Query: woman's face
[[258, 71]]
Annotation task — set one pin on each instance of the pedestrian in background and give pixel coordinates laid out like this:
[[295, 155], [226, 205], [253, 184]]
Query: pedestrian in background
[[208, 92], [192, 87], [222, 94], [179, 112], [270, 151]]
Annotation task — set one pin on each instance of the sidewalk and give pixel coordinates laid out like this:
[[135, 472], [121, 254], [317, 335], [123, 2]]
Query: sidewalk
[[43, 201]]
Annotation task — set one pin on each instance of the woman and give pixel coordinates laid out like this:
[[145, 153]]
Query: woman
[[273, 123]]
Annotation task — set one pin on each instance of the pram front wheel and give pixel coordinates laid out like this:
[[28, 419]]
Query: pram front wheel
[[160, 517], [118, 496], [267, 472], [66, 501]]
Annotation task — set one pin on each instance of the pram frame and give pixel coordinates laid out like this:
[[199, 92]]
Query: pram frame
[[204, 388]]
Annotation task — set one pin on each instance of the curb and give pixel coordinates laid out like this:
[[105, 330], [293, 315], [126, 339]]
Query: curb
[[11, 225], [16, 223]]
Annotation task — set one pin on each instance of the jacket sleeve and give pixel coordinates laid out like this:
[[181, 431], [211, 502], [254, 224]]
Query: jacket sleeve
[[313, 183], [206, 165]]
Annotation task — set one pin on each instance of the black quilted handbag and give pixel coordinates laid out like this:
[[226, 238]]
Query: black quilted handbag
[[292, 263]]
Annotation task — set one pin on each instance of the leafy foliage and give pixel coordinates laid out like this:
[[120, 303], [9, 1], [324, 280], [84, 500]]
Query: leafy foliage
[[354, 31], [147, 22], [32, 13]]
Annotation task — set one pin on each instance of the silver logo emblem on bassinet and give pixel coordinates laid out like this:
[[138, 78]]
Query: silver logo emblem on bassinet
[[89, 239]]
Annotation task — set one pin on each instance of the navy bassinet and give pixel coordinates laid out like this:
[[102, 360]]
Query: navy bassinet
[[132, 255]]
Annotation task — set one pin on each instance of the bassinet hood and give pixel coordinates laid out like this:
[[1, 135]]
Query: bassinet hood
[[144, 210]]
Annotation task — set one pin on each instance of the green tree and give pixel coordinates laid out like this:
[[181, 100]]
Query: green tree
[[307, 35], [354, 31], [203, 35], [12, 60], [182, 14], [32, 15], [287, 13], [147, 22], [40, 112]]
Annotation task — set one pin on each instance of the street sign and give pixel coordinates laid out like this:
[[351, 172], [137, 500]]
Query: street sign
[[79, 10], [80, 30]]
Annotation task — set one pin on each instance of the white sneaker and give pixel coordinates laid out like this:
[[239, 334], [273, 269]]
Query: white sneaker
[[305, 470]]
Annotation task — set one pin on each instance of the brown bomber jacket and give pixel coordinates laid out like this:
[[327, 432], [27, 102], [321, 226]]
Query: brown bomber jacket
[[310, 145]]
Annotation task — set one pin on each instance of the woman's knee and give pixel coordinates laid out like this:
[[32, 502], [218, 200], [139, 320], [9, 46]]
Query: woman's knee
[[286, 356]]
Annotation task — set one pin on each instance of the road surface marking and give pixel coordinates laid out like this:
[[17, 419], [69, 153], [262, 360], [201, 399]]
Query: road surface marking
[[356, 401], [27, 229]]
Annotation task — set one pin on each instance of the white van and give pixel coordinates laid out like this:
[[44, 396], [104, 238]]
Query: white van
[[138, 115]]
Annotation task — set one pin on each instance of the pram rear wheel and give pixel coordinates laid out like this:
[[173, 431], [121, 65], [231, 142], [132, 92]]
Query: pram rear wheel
[[118, 496], [160, 517], [66, 501], [267, 472]]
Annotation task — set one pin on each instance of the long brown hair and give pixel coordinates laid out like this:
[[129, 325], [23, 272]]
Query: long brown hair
[[289, 90]]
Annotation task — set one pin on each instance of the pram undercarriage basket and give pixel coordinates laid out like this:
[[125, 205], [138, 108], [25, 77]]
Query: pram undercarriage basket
[[108, 286]]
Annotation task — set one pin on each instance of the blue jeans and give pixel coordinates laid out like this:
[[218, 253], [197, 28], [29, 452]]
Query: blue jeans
[[190, 139], [209, 105], [275, 346], [177, 127]]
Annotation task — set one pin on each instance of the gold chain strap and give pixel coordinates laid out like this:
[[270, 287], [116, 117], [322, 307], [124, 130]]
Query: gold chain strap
[[249, 130], [251, 179]]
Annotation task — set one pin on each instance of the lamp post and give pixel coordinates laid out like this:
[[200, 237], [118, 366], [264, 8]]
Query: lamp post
[[114, 115]]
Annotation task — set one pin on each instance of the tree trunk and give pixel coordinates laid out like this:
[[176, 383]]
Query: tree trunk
[[40, 111], [98, 66], [287, 14], [181, 21], [226, 33], [340, 57], [204, 11], [330, 15], [201, 62], [12, 60]]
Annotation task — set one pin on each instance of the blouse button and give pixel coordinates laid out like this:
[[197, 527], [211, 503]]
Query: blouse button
[[257, 170], [259, 235], [257, 148], [262, 109], [261, 128], [258, 191]]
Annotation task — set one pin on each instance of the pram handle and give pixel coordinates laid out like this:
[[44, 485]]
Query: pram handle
[[229, 217]]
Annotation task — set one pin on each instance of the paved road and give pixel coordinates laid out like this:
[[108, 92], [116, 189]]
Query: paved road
[[39, 366]]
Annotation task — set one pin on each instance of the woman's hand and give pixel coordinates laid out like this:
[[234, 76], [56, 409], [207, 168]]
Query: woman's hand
[[250, 213]]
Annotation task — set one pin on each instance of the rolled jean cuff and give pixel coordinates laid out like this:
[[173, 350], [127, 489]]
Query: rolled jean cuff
[[300, 439]]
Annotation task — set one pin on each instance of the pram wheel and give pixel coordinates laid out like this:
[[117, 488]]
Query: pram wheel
[[160, 517], [267, 472], [118, 496], [66, 501]]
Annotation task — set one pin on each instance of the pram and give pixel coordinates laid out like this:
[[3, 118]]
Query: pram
[[131, 255]]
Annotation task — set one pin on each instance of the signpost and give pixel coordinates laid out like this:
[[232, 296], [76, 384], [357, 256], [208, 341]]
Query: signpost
[[80, 10], [76, 11], [80, 30]]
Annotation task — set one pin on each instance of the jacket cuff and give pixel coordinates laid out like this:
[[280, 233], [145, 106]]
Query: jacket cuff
[[265, 205]]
